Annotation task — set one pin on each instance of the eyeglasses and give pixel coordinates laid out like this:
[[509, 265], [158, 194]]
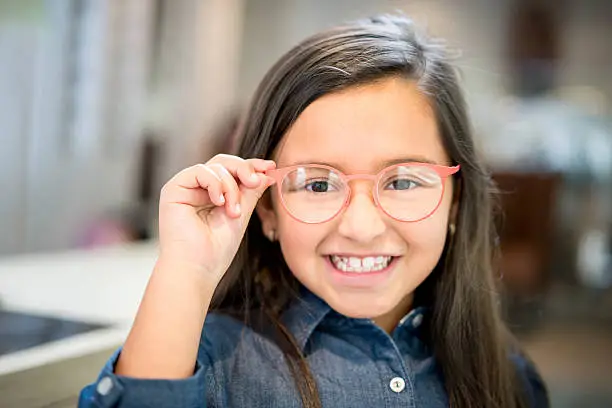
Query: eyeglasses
[[407, 192]]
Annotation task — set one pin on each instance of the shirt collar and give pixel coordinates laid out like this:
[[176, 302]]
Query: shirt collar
[[307, 311], [303, 316]]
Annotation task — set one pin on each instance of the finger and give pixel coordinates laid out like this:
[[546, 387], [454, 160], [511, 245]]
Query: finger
[[247, 171], [250, 196], [247, 174], [262, 165], [212, 183], [243, 170], [186, 185], [230, 189]]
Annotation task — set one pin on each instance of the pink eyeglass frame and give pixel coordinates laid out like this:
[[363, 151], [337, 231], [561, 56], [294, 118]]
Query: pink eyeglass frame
[[443, 171]]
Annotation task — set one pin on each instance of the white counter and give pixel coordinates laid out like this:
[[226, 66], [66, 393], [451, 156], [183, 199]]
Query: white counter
[[94, 286]]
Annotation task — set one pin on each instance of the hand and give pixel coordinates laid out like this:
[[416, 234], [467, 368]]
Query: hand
[[204, 211]]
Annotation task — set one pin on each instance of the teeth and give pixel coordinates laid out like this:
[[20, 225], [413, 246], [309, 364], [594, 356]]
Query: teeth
[[354, 262], [359, 265]]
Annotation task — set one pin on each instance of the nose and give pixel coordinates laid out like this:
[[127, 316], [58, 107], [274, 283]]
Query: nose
[[362, 220]]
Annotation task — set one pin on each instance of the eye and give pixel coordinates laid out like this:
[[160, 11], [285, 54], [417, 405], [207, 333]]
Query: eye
[[402, 184], [319, 186]]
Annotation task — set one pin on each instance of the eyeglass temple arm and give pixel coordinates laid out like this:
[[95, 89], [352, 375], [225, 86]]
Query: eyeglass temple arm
[[275, 174], [446, 171]]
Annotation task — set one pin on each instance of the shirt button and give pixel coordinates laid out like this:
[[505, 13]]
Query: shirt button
[[105, 386], [418, 319], [397, 384]]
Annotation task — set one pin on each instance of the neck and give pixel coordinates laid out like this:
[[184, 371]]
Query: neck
[[389, 321]]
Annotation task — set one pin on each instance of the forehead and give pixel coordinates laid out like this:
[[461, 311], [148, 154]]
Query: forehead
[[362, 129]]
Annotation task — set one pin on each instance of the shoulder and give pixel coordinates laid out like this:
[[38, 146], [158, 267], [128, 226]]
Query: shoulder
[[220, 332], [535, 387], [226, 338], [220, 325]]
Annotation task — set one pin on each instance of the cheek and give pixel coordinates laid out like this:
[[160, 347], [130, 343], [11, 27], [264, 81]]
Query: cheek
[[432, 231], [297, 238], [299, 241], [427, 236]]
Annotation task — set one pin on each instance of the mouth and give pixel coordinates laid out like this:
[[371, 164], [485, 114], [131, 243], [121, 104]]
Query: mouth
[[361, 265]]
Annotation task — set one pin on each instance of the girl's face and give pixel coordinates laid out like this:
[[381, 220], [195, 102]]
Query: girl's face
[[363, 130]]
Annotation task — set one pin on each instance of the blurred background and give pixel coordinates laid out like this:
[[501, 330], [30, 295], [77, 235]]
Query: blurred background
[[101, 101]]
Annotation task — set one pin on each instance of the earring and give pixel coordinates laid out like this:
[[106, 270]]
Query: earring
[[271, 235], [451, 229]]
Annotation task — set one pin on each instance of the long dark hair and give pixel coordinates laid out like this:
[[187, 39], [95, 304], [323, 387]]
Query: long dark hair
[[465, 331]]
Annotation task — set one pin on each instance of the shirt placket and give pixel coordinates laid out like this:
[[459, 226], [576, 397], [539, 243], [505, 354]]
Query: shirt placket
[[396, 381]]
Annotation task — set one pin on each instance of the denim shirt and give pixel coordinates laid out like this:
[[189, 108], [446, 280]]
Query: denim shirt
[[355, 364]]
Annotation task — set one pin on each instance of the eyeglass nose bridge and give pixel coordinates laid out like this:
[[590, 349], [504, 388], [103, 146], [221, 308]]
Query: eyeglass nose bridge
[[349, 194], [361, 177]]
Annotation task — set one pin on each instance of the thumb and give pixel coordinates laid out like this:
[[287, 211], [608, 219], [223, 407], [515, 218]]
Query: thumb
[[250, 196]]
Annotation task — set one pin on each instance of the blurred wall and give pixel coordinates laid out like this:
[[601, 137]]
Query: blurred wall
[[81, 84], [587, 53], [196, 76], [17, 42], [76, 123]]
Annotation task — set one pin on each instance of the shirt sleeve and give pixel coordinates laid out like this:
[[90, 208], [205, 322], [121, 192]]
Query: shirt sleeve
[[114, 391], [536, 391]]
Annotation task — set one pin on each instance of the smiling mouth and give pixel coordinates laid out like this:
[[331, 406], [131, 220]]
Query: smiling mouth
[[366, 264]]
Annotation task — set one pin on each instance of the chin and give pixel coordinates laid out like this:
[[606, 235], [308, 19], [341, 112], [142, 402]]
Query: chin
[[359, 306]]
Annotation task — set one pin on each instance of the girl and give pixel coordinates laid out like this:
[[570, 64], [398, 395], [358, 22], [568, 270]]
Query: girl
[[363, 280]]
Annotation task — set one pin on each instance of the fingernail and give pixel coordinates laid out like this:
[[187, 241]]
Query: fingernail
[[237, 208], [254, 177], [221, 199]]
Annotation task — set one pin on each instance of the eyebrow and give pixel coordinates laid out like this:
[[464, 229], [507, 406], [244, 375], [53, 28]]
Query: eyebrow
[[411, 159]]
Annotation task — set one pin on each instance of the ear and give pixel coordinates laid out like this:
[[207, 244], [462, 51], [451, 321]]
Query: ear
[[266, 213]]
